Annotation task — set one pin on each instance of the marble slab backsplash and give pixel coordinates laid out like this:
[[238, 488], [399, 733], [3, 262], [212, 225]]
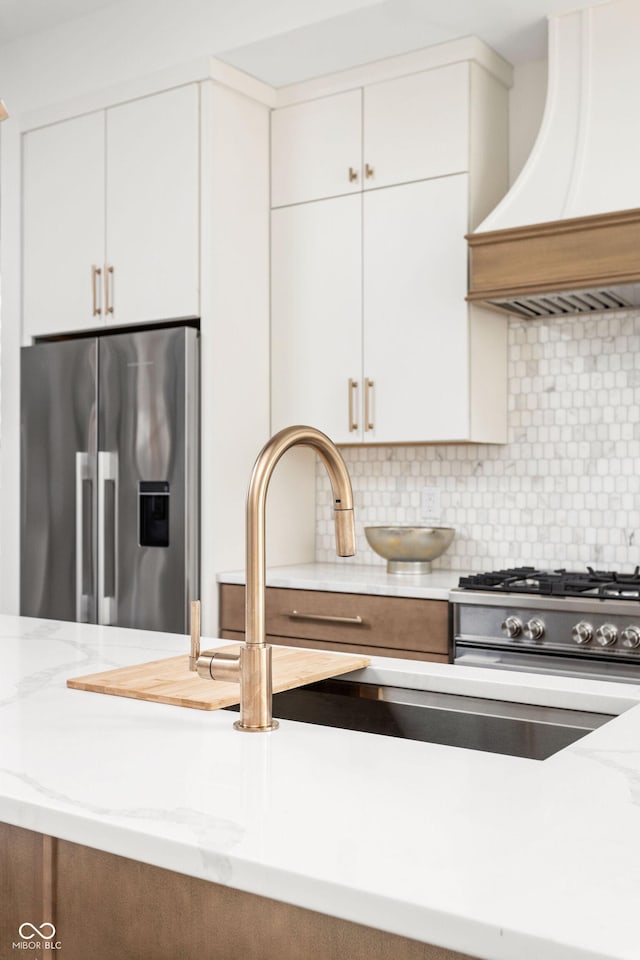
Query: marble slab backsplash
[[565, 489]]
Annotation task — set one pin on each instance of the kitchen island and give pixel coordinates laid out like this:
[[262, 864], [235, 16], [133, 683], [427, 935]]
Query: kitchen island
[[486, 855]]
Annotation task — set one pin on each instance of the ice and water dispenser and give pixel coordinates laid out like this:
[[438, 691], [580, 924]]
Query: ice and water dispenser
[[154, 513]]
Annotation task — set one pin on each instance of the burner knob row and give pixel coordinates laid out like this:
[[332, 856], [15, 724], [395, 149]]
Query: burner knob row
[[606, 635], [512, 627]]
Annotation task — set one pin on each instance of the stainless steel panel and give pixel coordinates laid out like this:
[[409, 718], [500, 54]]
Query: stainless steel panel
[[480, 624], [467, 655], [148, 432], [57, 480]]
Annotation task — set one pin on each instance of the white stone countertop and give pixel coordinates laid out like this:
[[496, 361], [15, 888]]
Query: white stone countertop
[[501, 858], [356, 578]]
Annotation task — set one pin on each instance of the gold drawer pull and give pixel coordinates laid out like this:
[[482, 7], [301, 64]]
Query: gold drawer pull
[[108, 279], [353, 175], [322, 616], [353, 394], [95, 273], [368, 398]]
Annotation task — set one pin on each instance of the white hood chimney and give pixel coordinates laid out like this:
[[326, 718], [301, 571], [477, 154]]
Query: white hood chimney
[[584, 166]]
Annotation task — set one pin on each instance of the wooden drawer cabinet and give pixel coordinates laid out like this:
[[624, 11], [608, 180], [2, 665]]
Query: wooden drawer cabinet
[[351, 622], [105, 906]]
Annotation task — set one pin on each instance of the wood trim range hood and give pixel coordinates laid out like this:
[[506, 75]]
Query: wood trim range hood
[[553, 246]]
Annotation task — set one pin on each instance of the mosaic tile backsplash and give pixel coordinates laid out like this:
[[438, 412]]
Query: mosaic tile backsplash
[[565, 489]]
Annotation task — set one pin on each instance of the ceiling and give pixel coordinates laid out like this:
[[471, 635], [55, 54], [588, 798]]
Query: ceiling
[[330, 36], [19, 18]]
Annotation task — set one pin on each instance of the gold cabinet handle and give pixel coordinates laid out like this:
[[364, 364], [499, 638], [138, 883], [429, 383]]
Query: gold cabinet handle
[[353, 393], [353, 175], [95, 273], [108, 280], [368, 397], [368, 171], [296, 615]]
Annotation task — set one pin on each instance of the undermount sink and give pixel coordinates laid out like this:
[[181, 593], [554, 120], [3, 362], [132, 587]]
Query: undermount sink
[[495, 726]]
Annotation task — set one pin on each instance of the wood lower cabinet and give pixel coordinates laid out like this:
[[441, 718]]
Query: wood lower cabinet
[[104, 906], [352, 622]]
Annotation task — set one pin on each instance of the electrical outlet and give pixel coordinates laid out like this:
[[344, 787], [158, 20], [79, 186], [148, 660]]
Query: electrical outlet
[[430, 503]]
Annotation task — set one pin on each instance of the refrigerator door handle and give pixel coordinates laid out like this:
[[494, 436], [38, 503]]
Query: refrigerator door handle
[[84, 552], [107, 537]]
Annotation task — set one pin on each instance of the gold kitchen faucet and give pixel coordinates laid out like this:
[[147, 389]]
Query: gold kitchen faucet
[[252, 667]]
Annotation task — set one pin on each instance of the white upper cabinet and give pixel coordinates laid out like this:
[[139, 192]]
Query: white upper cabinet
[[316, 324], [63, 224], [111, 216], [372, 338], [395, 131], [415, 342], [417, 127], [316, 149], [153, 206]]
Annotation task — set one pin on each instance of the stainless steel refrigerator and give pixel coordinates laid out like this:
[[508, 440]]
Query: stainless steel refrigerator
[[110, 479]]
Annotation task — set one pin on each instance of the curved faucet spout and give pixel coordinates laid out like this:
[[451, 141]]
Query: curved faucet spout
[[255, 657], [256, 504]]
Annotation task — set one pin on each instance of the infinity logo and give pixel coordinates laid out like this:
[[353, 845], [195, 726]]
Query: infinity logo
[[37, 931]]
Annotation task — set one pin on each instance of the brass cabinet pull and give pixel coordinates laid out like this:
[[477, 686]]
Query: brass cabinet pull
[[368, 394], [296, 615], [353, 390], [353, 175], [95, 273], [108, 278], [368, 171]]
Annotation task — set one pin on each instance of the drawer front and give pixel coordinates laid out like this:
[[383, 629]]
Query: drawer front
[[395, 623], [238, 636]]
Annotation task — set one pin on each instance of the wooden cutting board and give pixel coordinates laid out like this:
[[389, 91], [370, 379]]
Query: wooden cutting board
[[171, 681]]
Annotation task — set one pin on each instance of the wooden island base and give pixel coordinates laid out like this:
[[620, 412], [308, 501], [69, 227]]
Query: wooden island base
[[107, 907]]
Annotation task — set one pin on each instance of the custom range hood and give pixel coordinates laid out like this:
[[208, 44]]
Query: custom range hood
[[566, 237]]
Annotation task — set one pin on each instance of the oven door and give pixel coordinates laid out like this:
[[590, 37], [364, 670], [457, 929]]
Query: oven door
[[468, 655]]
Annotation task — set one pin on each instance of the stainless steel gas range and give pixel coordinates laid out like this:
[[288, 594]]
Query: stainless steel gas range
[[583, 624]]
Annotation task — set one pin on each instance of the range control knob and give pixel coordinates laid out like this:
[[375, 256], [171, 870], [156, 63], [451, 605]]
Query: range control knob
[[606, 635], [630, 637], [534, 629], [511, 627], [582, 633]]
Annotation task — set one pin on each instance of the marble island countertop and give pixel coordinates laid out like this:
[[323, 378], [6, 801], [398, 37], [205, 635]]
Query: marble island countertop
[[356, 578], [500, 858]]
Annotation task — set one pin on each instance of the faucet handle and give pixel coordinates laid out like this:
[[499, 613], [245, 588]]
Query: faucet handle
[[195, 635]]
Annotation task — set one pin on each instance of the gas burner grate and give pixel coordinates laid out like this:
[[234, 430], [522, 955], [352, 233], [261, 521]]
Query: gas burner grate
[[606, 584]]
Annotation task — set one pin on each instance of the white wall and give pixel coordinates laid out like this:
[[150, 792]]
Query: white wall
[[133, 38]]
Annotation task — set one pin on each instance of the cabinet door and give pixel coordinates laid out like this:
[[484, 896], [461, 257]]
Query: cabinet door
[[152, 206], [316, 345], [316, 149], [63, 224], [416, 318], [417, 127]]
